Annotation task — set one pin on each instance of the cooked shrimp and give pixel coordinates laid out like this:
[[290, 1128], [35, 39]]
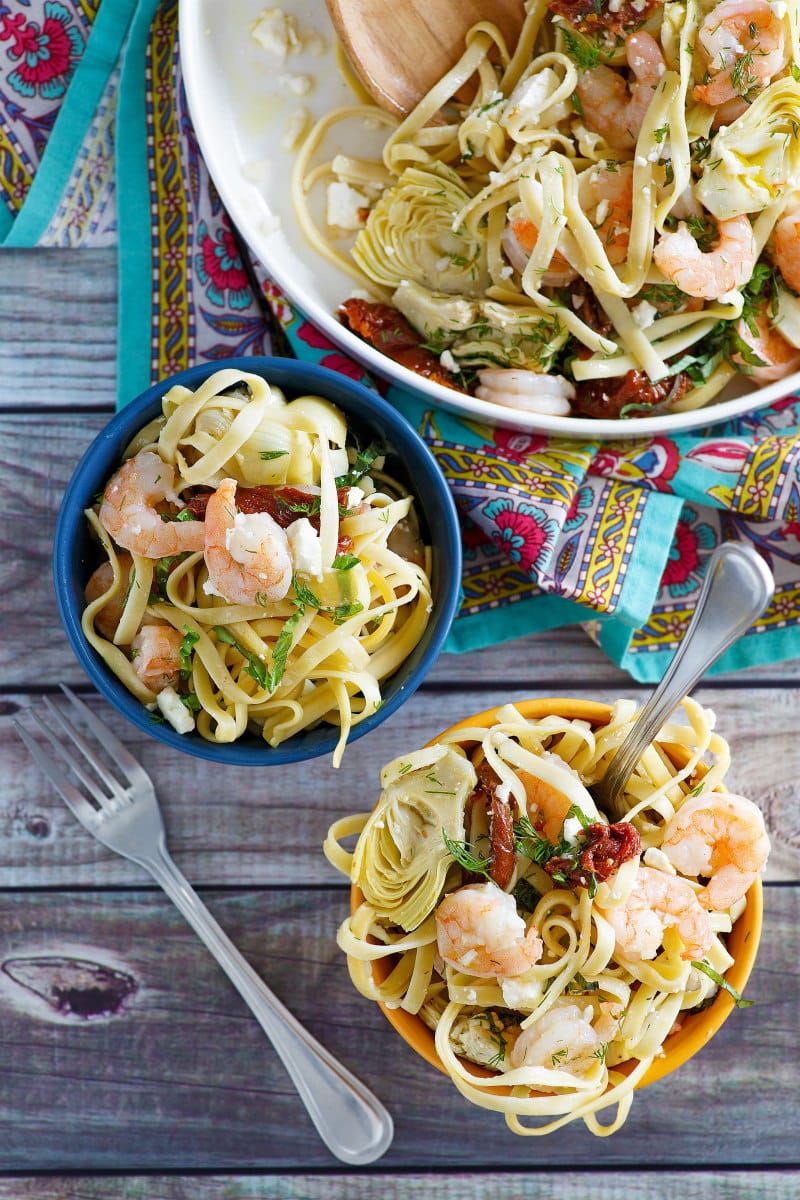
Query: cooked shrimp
[[607, 199], [608, 107], [128, 511], [530, 391], [721, 837], [480, 932], [518, 241], [658, 902], [568, 1037], [107, 620], [746, 44], [787, 248], [712, 275], [247, 554], [157, 656], [779, 357]]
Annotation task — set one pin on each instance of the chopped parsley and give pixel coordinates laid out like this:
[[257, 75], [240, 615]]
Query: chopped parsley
[[189, 639], [708, 970]]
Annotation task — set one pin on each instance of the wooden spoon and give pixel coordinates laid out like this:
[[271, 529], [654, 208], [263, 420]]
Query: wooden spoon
[[401, 48]]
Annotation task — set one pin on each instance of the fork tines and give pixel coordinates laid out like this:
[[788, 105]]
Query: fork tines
[[106, 792]]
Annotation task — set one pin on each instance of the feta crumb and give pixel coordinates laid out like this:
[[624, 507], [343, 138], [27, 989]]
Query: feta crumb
[[259, 172], [296, 85], [602, 212], [276, 32], [345, 206], [448, 362], [270, 224], [644, 314], [354, 497], [305, 547], [175, 711], [506, 272], [640, 160], [295, 129]]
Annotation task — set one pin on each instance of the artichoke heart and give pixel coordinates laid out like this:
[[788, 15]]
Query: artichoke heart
[[413, 232], [401, 859], [756, 159]]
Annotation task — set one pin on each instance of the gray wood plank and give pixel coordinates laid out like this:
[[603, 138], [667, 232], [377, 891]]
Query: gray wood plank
[[568, 1185], [58, 313], [250, 826], [182, 1079]]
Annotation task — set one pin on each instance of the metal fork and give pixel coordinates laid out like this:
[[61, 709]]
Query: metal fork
[[119, 807]]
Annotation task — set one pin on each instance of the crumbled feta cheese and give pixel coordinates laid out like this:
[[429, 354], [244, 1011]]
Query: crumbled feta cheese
[[529, 98], [315, 44], [296, 85], [174, 710], [345, 206], [520, 994], [305, 548], [644, 314], [276, 32], [506, 272], [640, 160], [657, 859], [249, 534], [355, 496], [602, 212], [295, 129], [270, 224], [448, 362], [259, 172]]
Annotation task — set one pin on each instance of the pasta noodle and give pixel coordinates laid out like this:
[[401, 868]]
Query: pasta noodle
[[609, 226], [553, 954], [261, 572]]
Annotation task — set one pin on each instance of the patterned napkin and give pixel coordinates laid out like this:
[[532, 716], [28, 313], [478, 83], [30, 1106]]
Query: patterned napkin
[[96, 146]]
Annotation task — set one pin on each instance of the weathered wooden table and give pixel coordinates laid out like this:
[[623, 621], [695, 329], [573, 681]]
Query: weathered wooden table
[[180, 1095]]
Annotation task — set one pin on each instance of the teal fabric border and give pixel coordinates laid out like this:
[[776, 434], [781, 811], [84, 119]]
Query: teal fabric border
[[133, 215], [535, 615], [6, 223], [75, 115], [642, 579]]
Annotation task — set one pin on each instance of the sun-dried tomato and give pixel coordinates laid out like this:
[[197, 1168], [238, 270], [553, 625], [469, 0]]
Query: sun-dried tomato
[[283, 503], [606, 398], [388, 331], [501, 831], [601, 850], [597, 16]]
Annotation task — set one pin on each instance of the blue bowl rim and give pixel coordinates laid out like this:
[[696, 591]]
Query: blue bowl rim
[[295, 377]]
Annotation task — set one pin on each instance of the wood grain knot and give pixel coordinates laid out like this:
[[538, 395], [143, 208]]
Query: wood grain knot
[[73, 987]]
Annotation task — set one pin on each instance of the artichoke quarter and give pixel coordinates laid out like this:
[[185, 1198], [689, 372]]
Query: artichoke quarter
[[401, 859]]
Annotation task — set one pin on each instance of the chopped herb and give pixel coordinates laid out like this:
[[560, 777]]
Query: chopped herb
[[696, 791], [363, 462], [708, 970], [525, 895], [191, 702], [189, 639], [661, 133], [404, 768], [283, 645], [255, 667], [578, 986], [345, 562], [465, 856], [268, 455], [559, 1056]]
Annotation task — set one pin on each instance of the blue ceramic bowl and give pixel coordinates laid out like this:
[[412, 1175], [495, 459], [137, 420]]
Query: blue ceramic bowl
[[370, 418]]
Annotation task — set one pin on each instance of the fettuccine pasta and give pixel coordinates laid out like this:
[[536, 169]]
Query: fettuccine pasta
[[554, 950], [262, 573], [609, 226]]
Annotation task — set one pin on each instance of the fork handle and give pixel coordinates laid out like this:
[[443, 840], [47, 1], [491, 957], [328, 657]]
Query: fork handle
[[351, 1121]]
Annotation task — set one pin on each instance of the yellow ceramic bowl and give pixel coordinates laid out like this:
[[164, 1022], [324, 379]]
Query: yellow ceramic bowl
[[698, 1028]]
